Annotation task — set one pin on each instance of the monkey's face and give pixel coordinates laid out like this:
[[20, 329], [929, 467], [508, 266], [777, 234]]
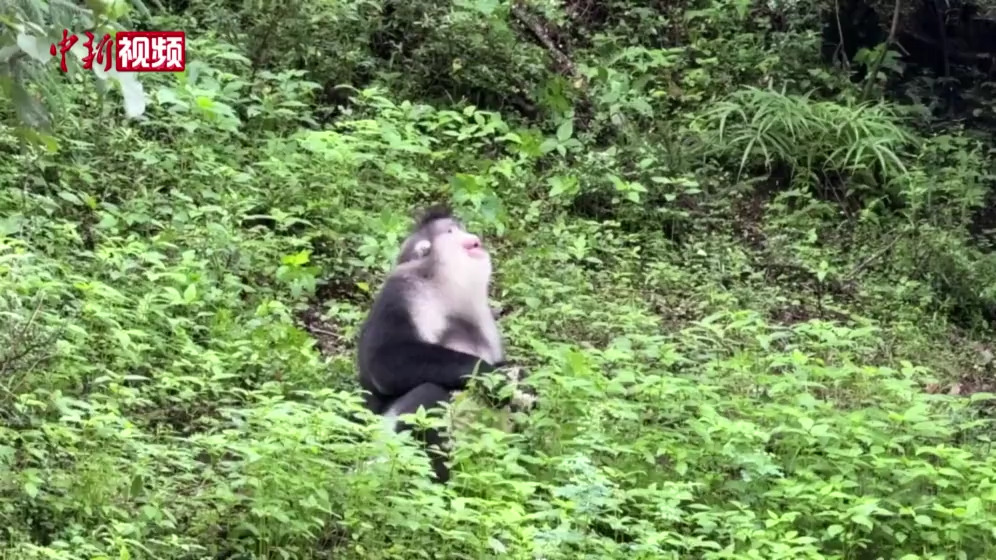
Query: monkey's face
[[460, 254], [445, 251]]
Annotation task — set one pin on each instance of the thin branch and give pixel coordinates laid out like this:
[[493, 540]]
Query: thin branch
[[563, 61], [840, 36], [320, 330], [566, 65], [873, 72], [942, 33], [874, 257]]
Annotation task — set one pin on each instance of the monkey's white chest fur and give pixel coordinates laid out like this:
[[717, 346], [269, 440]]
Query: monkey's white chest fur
[[430, 314]]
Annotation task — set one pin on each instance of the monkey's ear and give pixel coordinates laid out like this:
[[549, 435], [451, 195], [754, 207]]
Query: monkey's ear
[[422, 248], [414, 251]]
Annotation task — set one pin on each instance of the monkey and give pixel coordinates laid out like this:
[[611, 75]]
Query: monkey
[[430, 328]]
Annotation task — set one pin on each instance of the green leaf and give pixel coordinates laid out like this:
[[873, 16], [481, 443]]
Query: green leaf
[[117, 9], [33, 136], [7, 52], [70, 197], [29, 109], [11, 224], [862, 520], [486, 7], [565, 130], [548, 146], [824, 268], [33, 47], [642, 107], [497, 546]]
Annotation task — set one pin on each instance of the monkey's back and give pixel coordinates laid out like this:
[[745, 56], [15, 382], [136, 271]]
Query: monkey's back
[[388, 323]]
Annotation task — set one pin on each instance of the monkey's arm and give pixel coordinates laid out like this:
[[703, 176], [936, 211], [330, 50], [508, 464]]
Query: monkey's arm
[[409, 364]]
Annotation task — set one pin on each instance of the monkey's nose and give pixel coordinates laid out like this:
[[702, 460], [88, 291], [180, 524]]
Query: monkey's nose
[[472, 242]]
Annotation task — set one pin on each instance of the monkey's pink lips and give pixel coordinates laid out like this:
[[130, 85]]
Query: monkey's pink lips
[[477, 253]]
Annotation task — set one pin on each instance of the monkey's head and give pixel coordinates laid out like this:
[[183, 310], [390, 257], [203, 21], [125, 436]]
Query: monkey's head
[[446, 251]]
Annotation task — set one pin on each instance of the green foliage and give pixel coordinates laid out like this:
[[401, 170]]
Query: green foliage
[[759, 320], [30, 27], [812, 138]]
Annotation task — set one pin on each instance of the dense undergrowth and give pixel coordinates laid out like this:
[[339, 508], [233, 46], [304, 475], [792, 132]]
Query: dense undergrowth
[[757, 308]]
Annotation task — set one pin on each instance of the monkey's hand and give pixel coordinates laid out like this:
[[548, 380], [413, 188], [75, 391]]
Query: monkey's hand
[[522, 398]]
